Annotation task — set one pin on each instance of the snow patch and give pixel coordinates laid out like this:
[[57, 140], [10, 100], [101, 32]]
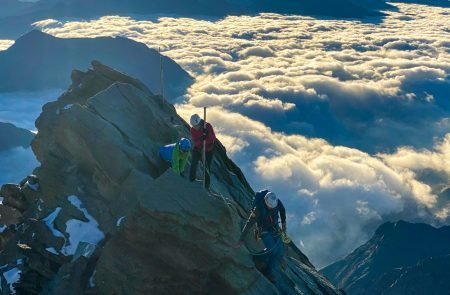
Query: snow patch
[[3, 228], [33, 187], [12, 276], [80, 231], [92, 279], [68, 106], [49, 222], [119, 221], [52, 250]]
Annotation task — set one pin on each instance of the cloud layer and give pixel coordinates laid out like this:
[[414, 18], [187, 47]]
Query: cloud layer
[[321, 111], [15, 164], [23, 108]]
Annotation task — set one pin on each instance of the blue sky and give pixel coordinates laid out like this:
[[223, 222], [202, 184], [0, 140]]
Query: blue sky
[[339, 117]]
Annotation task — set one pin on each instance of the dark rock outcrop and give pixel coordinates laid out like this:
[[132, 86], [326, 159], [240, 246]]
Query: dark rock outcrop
[[47, 65], [401, 258], [12, 136], [109, 218]]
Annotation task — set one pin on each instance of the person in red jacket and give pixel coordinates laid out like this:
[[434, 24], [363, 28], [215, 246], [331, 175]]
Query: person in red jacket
[[201, 131]]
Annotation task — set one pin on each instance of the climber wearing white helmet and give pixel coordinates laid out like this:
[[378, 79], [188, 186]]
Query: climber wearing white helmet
[[201, 131], [267, 209]]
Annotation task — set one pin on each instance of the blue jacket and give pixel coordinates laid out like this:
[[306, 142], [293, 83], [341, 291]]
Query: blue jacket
[[177, 160]]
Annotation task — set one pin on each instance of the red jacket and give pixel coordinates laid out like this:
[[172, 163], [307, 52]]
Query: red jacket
[[197, 137]]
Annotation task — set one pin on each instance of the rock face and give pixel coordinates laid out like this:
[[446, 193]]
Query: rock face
[[47, 65], [11, 136], [108, 217], [401, 258]]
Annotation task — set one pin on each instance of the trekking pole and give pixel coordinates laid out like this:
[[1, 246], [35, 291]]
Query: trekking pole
[[204, 148]]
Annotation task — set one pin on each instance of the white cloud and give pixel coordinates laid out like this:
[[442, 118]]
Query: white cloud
[[270, 80], [256, 51], [48, 23], [5, 44]]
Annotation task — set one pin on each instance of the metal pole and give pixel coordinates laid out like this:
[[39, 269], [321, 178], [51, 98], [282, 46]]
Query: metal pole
[[204, 148], [161, 76]]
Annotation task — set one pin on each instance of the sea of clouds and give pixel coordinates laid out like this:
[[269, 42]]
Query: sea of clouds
[[348, 122], [21, 109]]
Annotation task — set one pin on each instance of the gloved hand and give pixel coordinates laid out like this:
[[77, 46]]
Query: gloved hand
[[283, 227]]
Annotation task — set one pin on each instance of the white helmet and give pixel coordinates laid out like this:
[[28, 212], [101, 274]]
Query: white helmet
[[195, 120], [271, 200]]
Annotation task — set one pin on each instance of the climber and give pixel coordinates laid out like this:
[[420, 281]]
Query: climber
[[266, 209], [176, 154], [201, 132]]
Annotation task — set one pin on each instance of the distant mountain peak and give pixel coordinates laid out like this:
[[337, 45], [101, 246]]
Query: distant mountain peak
[[39, 61], [402, 227], [33, 36], [395, 253]]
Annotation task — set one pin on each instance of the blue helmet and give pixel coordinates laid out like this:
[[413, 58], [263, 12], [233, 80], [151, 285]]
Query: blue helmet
[[185, 144]]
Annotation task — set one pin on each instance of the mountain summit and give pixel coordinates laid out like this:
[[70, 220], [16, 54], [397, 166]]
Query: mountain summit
[[401, 258], [104, 215], [41, 61]]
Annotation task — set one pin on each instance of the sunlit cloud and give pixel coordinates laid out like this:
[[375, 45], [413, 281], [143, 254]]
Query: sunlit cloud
[[5, 44], [339, 118]]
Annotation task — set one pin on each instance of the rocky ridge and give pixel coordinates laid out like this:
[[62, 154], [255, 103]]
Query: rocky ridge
[[103, 214]]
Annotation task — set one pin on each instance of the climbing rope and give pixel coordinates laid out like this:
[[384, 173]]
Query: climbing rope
[[264, 252]]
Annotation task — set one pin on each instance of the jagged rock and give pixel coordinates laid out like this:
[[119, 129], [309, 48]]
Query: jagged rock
[[13, 197], [191, 235], [8, 216], [101, 182], [71, 278]]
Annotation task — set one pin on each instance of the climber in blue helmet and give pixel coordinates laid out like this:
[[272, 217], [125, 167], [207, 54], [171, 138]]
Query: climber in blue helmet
[[176, 154]]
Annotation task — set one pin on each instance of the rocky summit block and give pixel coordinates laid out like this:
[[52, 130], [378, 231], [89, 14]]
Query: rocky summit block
[[109, 217]]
